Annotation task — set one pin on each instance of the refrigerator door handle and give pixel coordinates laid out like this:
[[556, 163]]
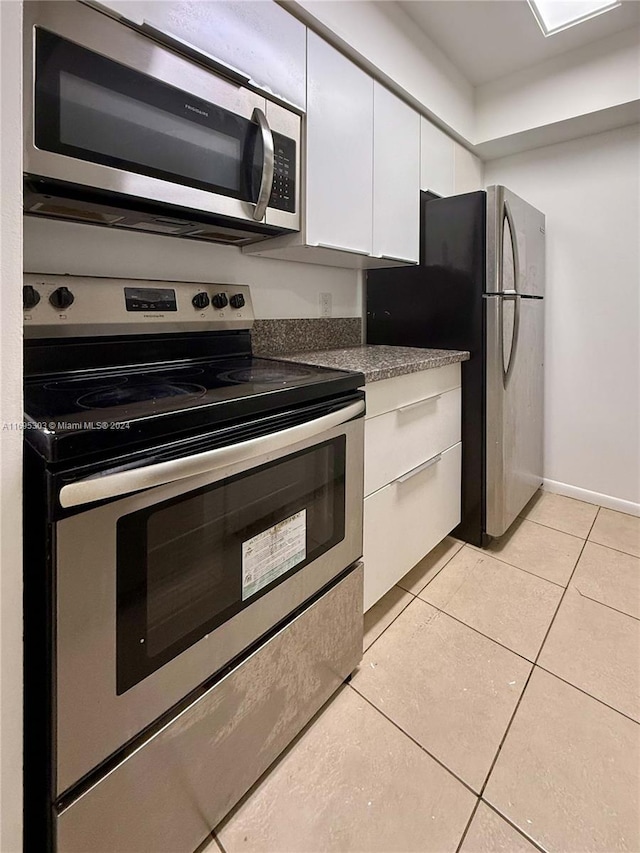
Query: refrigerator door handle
[[508, 368], [510, 295]]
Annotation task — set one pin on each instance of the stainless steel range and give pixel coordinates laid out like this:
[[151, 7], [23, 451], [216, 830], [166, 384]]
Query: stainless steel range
[[193, 522]]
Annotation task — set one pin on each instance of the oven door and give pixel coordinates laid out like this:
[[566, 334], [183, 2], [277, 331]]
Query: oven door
[[145, 122], [159, 589]]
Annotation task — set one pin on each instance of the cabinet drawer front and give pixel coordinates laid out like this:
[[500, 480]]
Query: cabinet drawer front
[[398, 441], [405, 520], [388, 394]]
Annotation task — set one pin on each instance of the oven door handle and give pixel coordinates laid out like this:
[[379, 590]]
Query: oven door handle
[[111, 485]]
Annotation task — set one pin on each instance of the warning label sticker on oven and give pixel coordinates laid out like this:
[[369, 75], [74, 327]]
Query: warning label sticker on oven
[[273, 552]]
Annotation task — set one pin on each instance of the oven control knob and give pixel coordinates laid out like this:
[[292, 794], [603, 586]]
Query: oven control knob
[[237, 300], [61, 298], [30, 297], [200, 301], [219, 300]]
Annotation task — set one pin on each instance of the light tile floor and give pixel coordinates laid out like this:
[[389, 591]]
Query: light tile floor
[[496, 707]]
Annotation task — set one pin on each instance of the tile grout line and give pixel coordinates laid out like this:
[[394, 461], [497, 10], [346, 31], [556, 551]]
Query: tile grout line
[[611, 548], [582, 690], [468, 826], [584, 545], [392, 621], [557, 529], [547, 527], [442, 567], [515, 710], [477, 631], [413, 740], [586, 538], [218, 842], [465, 624], [408, 591], [608, 606], [531, 841], [507, 563]]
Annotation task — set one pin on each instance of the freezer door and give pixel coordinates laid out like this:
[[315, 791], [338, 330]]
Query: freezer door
[[515, 232], [514, 314]]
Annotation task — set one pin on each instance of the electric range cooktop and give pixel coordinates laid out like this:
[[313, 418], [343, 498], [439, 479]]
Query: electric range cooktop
[[109, 371], [120, 395]]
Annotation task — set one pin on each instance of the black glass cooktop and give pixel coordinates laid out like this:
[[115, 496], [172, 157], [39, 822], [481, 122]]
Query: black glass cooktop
[[81, 410]]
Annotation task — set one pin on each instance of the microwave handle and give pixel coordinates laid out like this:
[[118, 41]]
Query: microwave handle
[[161, 473], [267, 164]]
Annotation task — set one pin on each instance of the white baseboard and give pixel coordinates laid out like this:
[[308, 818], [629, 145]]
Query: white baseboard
[[591, 497]]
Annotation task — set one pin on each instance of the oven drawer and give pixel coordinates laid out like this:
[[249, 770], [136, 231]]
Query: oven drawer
[[169, 794], [398, 441], [406, 519]]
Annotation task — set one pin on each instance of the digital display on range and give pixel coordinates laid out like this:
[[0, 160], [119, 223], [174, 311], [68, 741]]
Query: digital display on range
[[148, 299]]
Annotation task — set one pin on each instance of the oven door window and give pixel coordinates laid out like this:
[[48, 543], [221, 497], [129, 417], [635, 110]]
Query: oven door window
[[187, 565], [95, 109]]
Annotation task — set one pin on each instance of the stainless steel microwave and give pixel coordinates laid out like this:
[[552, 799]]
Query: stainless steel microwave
[[128, 127]]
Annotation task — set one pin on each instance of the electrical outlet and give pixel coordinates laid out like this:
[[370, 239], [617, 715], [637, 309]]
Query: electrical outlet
[[325, 304]]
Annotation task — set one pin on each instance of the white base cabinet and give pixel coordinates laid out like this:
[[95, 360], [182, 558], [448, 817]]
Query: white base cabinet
[[413, 456]]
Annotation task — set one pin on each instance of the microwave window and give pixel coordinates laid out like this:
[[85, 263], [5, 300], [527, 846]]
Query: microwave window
[[107, 122], [189, 564]]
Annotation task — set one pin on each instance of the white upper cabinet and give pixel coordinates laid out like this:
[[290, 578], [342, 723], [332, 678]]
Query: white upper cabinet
[[362, 206], [437, 152], [257, 37], [468, 171], [339, 150], [396, 177]]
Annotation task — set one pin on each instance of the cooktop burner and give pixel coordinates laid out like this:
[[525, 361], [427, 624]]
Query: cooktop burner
[[148, 393], [276, 372], [86, 384]]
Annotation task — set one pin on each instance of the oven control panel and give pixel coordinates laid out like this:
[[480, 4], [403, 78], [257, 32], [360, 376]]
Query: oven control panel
[[70, 306]]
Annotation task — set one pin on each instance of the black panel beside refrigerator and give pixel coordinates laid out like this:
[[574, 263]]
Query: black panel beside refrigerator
[[442, 303]]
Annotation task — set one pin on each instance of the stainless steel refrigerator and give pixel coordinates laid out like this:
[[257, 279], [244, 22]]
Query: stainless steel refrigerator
[[479, 287]]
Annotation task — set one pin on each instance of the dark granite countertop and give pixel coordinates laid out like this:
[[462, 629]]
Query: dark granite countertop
[[378, 361]]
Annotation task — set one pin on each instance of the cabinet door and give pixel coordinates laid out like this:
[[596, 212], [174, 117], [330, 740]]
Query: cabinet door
[[257, 37], [396, 177], [436, 159], [339, 150], [468, 171]]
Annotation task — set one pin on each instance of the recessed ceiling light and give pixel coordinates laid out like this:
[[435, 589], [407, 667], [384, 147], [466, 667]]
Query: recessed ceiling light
[[556, 15]]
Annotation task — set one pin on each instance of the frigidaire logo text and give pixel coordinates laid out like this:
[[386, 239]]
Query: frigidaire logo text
[[196, 110]]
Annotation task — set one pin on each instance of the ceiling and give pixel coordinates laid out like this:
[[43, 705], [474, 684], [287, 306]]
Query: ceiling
[[488, 39]]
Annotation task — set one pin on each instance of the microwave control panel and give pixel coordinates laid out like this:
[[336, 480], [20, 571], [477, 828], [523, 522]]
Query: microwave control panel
[[283, 191]]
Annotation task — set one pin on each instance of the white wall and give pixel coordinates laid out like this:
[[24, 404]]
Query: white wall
[[590, 191], [280, 289], [10, 441], [592, 78], [390, 45]]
